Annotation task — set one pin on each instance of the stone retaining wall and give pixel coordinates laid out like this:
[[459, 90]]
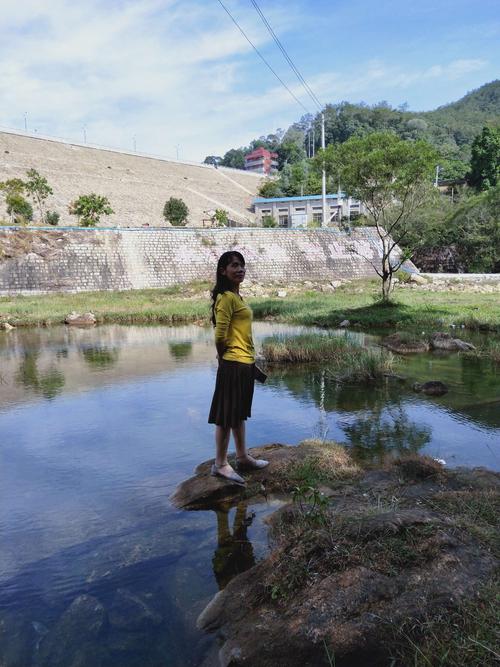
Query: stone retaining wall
[[48, 260]]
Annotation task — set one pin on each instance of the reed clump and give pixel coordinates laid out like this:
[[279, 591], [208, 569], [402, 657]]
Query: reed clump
[[344, 358]]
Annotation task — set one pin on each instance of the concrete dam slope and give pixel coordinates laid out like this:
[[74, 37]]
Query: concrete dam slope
[[136, 186], [50, 260]]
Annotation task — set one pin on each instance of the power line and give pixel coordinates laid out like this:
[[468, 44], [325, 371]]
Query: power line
[[260, 55], [304, 83]]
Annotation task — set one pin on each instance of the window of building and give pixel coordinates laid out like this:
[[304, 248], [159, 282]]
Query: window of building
[[283, 220], [317, 217], [265, 211], [299, 209], [283, 210]]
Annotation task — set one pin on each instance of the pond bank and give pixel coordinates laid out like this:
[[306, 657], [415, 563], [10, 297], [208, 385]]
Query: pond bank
[[320, 303], [367, 565]]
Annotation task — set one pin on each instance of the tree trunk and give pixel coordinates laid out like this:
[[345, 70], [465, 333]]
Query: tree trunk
[[386, 286]]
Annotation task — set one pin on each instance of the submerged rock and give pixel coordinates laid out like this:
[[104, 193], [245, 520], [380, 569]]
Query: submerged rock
[[130, 612], [17, 640], [431, 388], [443, 341], [74, 638]]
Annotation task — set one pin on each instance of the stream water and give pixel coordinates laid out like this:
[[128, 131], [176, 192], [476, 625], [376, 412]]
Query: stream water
[[97, 427]]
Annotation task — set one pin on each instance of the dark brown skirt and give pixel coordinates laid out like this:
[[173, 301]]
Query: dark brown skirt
[[232, 401]]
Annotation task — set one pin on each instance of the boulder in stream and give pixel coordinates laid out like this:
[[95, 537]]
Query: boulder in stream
[[443, 341], [404, 343], [202, 491], [81, 319]]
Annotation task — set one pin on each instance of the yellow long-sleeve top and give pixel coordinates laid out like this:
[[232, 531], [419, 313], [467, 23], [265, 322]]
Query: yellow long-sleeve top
[[233, 318]]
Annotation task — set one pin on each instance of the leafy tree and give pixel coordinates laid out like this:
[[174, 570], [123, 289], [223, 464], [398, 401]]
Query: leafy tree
[[485, 161], [89, 209], [212, 159], [392, 178], [221, 217], [18, 208], [270, 189], [290, 153], [39, 189], [175, 211], [13, 186], [235, 158]]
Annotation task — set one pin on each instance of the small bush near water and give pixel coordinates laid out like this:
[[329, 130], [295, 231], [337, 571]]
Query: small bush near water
[[345, 359]]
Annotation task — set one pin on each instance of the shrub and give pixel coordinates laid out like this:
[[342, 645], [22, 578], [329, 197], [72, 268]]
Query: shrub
[[221, 217], [313, 224], [175, 212], [52, 218], [89, 209], [19, 209], [269, 221]]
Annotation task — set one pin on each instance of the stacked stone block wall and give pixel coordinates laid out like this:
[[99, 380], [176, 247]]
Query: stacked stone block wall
[[48, 260]]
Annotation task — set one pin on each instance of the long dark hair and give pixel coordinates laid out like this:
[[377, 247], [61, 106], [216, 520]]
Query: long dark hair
[[222, 284]]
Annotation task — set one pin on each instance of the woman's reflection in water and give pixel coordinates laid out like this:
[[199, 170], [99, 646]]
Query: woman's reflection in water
[[234, 553]]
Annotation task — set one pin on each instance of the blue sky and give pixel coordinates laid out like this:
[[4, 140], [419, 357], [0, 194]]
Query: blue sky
[[169, 73]]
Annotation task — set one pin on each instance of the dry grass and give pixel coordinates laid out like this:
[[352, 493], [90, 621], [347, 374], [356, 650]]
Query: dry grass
[[319, 462], [415, 467]]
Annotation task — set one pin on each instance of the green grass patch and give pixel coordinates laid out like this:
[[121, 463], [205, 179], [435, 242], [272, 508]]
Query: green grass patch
[[167, 306], [410, 309], [357, 301], [344, 358]]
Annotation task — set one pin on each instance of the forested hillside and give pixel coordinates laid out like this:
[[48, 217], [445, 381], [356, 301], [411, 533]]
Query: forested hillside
[[450, 128]]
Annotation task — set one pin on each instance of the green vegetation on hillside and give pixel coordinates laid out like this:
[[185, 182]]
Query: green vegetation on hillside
[[451, 129], [469, 229]]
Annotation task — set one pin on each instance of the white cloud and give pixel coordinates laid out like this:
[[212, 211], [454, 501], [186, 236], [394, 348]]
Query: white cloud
[[158, 69], [167, 71]]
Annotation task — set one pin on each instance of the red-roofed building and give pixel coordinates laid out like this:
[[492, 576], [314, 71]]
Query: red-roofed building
[[261, 161]]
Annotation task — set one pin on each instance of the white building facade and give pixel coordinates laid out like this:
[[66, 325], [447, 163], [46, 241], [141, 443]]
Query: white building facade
[[307, 211]]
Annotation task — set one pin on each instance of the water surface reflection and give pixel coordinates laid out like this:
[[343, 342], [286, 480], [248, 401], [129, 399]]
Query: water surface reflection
[[98, 427]]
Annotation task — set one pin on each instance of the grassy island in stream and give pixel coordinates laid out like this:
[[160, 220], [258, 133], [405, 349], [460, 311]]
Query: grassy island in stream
[[343, 358], [356, 301]]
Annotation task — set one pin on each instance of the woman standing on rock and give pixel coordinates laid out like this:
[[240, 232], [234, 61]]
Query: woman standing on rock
[[232, 400]]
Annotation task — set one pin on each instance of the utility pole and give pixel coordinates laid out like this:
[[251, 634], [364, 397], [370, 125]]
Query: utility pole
[[437, 176], [25, 121], [84, 128], [177, 150], [323, 187], [314, 139]]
